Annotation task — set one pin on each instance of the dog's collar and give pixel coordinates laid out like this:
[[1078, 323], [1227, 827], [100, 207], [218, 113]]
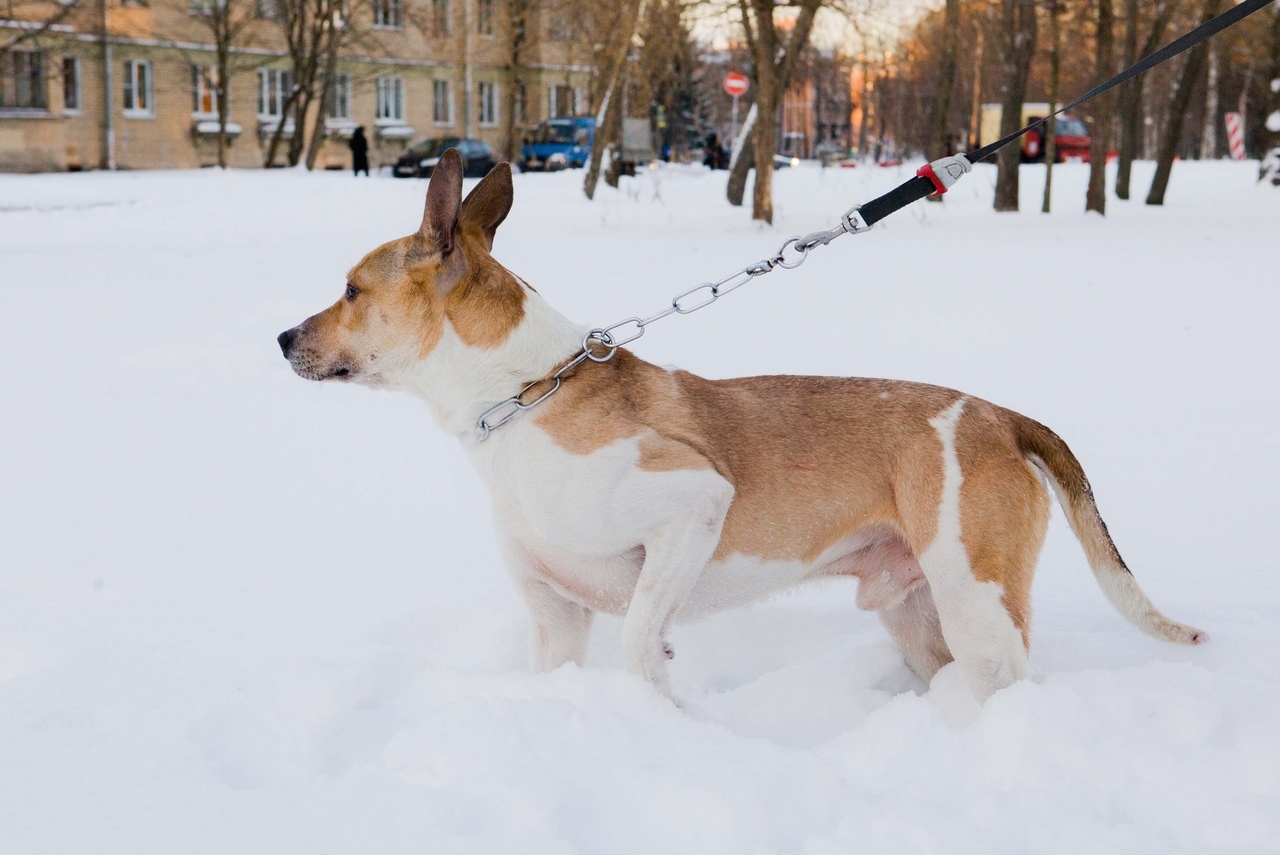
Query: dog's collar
[[594, 349]]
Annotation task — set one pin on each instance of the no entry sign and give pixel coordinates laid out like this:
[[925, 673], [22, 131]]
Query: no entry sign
[[736, 84]]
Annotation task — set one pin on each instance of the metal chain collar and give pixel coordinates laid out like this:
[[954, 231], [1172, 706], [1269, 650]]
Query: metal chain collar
[[602, 343]]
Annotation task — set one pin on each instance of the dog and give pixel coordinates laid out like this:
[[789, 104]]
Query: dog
[[657, 495]]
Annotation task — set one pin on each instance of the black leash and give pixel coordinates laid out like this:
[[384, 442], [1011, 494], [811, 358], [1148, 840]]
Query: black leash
[[937, 177]]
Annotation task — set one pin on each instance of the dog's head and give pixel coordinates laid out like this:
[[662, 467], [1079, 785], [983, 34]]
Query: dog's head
[[398, 298]]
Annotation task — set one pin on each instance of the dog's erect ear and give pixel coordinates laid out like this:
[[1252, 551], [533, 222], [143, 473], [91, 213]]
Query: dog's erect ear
[[489, 203], [444, 195]]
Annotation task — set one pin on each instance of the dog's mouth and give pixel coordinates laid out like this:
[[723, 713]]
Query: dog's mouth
[[309, 370]]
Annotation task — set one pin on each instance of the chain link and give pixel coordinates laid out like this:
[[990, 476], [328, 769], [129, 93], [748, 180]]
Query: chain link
[[602, 343]]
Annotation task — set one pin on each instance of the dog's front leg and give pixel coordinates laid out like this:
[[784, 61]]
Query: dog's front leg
[[675, 555], [560, 629]]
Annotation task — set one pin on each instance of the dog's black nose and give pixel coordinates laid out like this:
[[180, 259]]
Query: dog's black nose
[[286, 340]]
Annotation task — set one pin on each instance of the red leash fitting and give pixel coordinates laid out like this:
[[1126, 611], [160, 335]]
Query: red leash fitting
[[944, 172]]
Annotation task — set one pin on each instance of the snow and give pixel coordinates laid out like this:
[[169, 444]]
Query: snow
[[240, 612]]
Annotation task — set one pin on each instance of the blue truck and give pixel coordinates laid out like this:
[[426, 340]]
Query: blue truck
[[558, 144]]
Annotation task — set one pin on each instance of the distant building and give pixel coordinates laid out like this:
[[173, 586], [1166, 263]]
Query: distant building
[[414, 68], [817, 109]]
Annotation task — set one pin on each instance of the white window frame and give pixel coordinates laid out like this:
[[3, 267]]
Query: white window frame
[[78, 108], [442, 18], [389, 104], [447, 87], [40, 90], [554, 89], [204, 81], [339, 97], [139, 79], [486, 18], [487, 94], [273, 81], [388, 14]]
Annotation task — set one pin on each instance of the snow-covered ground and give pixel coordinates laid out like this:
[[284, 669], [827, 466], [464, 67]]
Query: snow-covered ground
[[244, 613]]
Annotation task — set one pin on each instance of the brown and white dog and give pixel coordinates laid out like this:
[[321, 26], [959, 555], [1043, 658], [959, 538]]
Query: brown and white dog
[[658, 495]]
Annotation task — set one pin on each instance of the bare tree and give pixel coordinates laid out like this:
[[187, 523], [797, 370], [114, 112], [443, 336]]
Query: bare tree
[[610, 81], [773, 64], [231, 25], [1171, 133], [521, 16], [1132, 93], [1017, 45], [314, 31], [1055, 81], [38, 19], [1103, 108], [944, 85]]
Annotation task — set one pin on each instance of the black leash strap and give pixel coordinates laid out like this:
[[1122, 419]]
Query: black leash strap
[[937, 177]]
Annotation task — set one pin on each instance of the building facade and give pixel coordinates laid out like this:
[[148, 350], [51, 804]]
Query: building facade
[[144, 96]]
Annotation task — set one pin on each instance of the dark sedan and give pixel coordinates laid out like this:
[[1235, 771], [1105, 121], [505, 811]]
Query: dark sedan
[[421, 158]]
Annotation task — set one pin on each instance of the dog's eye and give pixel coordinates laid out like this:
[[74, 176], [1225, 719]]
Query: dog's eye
[[352, 291]]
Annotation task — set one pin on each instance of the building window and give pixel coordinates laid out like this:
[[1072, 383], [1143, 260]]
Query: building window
[[204, 90], [71, 85], [441, 23], [387, 14], [22, 85], [484, 17], [205, 7], [390, 99], [488, 103], [561, 101], [559, 30], [442, 110], [269, 10], [137, 88], [518, 118], [340, 97], [273, 91]]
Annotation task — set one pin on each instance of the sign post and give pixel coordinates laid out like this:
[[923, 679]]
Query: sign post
[[1235, 136], [736, 85]]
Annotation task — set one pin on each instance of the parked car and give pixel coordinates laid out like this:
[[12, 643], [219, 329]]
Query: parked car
[[421, 158], [558, 144], [1071, 134], [1071, 141]]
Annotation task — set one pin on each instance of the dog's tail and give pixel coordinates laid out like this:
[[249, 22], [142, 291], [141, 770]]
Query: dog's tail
[[1046, 450]]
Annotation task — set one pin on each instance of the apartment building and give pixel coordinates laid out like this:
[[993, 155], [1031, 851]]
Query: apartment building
[[144, 95]]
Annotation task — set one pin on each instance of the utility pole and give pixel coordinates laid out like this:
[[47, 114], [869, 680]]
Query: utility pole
[[466, 67]]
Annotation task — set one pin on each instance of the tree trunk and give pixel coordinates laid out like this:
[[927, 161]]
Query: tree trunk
[[1128, 95], [765, 133], [740, 168], [975, 107], [299, 125], [278, 134], [1018, 44], [936, 145], [519, 13], [223, 50], [1104, 109], [611, 101], [1055, 82], [865, 104], [1133, 93], [1209, 138], [1171, 133]]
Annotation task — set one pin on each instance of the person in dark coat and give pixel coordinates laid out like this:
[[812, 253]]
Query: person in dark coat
[[359, 152]]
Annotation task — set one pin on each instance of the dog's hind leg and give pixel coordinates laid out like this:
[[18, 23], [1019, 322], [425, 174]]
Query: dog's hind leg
[[990, 522], [913, 623]]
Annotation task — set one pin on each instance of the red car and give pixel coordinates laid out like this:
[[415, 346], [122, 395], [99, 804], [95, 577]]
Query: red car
[[1071, 141]]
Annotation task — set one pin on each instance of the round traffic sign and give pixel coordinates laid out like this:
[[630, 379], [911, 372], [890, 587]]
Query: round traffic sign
[[736, 84]]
